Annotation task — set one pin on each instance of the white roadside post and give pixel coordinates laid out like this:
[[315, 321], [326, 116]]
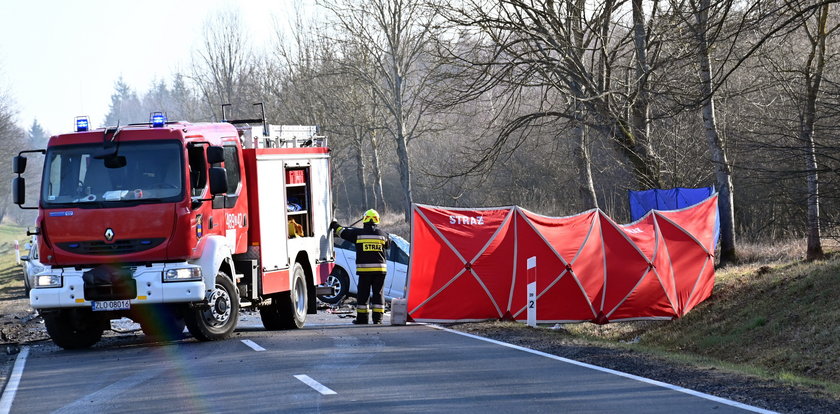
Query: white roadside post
[[17, 251], [532, 291], [399, 311]]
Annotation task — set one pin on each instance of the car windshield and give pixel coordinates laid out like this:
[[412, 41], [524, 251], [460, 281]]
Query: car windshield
[[400, 242], [152, 171]]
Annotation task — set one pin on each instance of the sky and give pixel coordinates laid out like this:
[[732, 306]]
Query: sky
[[60, 59]]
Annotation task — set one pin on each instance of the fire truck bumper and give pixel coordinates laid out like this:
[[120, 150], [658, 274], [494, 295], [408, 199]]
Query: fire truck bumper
[[146, 285]]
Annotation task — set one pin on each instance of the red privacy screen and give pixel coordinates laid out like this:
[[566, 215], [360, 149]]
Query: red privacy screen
[[470, 264]]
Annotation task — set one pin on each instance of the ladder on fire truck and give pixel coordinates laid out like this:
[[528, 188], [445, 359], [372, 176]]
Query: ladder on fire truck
[[257, 133]]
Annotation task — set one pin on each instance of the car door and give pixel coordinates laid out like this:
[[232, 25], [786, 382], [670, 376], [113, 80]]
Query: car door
[[348, 262]]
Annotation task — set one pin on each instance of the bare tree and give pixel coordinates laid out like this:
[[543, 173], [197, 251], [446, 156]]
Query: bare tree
[[309, 75], [817, 32], [704, 30], [396, 35], [14, 139], [224, 63], [593, 66]]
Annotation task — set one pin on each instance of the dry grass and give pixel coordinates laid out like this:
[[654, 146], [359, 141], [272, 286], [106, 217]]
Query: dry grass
[[10, 273], [778, 251], [395, 223]]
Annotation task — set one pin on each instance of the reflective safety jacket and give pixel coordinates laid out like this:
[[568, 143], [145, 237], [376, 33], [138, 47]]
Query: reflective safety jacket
[[371, 244]]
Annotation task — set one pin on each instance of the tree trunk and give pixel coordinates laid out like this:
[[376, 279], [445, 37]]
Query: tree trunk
[[378, 194], [638, 136], [405, 174], [813, 80], [588, 197], [402, 141], [360, 165], [814, 250], [723, 173], [644, 163], [586, 187]]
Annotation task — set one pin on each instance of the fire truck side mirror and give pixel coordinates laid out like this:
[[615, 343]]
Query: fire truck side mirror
[[215, 155], [218, 180], [19, 164], [18, 189]]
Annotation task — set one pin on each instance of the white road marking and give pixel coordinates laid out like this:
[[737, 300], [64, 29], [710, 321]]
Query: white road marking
[[329, 325], [614, 372], [253, 345], [315, 385], [14, 381]]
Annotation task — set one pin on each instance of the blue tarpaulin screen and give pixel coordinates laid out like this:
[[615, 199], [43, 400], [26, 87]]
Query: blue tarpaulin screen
[[673, 199]]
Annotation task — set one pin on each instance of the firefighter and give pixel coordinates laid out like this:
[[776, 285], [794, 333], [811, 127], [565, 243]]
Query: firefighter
[[371, 268]]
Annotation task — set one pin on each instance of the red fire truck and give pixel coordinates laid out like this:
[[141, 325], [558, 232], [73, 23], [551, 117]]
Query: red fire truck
[[176, 223]]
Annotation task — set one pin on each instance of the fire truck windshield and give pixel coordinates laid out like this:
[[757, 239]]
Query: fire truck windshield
[[75, 176]]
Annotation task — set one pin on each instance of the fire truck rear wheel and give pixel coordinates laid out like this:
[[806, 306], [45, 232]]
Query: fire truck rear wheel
[[215, 319], [288, 309], [73, 328]]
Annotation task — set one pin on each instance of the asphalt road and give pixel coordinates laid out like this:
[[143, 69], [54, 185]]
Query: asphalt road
[[330, 367]]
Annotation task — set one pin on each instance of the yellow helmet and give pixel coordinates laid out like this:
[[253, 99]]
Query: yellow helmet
[[371, 216]]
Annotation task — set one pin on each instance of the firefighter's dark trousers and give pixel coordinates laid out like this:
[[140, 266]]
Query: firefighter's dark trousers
[[370, 281]]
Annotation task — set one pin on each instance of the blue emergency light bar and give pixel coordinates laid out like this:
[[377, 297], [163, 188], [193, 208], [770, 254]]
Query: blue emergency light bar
[[82, 124], [157, 119]]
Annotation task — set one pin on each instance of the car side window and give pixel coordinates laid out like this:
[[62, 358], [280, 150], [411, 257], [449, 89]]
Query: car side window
[[397, 254]]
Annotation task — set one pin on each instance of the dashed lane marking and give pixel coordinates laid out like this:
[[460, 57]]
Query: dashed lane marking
[[317, 386], [253, 345]]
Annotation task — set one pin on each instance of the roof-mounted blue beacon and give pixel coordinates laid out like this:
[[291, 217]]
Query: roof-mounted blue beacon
[[82, 124], [157, 119]]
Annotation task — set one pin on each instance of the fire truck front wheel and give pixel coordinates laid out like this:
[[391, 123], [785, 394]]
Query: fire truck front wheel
[[216, 318], [73, 328]]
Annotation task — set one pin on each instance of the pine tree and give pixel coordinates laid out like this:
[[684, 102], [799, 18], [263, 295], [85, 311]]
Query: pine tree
[[125, 106], [37, 135]]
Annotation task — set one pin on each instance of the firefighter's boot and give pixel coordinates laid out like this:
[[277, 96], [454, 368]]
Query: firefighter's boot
[[378, 311], [361, 315]]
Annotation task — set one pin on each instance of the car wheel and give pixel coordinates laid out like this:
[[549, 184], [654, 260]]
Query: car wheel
[[340, 281]]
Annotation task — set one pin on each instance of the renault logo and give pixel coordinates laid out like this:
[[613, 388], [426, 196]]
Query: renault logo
[[109, 234]]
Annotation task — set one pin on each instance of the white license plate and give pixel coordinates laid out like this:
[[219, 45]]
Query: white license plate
[[109, 305]]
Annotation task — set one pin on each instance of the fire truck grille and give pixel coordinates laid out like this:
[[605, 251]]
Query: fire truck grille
[[101, 248], [109, 283]]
